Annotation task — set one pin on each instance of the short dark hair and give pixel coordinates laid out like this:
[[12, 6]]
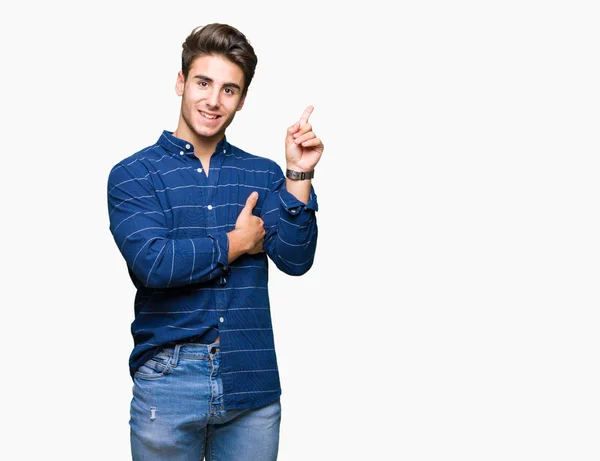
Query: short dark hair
[[220, 39]]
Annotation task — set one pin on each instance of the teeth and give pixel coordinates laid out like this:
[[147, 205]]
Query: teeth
[[208, 115]]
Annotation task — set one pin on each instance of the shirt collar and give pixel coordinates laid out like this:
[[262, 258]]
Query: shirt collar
[[178, 146]]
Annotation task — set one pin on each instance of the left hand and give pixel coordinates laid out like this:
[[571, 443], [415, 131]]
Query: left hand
[[303, 149]]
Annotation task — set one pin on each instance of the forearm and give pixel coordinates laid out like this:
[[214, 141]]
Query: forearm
[[294, 252], [141, 232], [160, 262], [292, 231], [299, 188]]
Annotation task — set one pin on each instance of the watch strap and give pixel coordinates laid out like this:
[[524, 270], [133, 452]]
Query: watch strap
[[298, 175]]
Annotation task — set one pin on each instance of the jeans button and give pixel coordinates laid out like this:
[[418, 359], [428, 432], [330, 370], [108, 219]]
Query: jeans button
[[213, 350]]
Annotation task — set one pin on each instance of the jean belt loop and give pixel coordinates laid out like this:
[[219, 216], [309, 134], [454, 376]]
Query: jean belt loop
[[175, 358]]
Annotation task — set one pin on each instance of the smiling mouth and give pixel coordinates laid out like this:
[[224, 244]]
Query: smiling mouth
[[209, 116]]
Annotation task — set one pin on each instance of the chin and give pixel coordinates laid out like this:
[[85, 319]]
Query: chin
[[206, 133]]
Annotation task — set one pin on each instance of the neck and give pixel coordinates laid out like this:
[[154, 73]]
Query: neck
[[204, 147]]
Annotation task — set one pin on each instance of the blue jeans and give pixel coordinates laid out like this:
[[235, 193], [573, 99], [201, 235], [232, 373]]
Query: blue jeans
[[177, 412]]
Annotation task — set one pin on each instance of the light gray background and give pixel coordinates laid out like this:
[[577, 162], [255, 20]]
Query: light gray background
[[452, 311]]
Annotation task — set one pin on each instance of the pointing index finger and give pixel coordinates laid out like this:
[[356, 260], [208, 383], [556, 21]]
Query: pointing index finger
[[306, 114]]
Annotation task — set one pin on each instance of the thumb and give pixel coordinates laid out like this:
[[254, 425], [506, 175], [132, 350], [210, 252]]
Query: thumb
[[250, 203]]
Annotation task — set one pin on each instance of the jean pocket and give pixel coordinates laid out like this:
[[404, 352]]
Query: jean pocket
[[154, 368]]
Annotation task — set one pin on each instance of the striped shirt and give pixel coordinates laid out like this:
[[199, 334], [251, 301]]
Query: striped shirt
[[170, 222]]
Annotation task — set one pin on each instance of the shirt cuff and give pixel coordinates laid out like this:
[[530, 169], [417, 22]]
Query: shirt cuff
[[294, 206], [222, 249]]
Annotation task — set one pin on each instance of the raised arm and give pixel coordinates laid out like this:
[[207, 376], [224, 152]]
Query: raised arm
[[289, 209], [303, 151]]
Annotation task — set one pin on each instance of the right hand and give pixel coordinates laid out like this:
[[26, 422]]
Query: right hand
[[251, 227]]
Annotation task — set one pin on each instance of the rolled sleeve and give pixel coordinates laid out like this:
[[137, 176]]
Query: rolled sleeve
[[292, 231], [295, 207], [222, 245]]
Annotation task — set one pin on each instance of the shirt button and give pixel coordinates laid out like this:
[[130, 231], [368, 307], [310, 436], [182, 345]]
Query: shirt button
[[224, 151], [180, 152], [187, 146], [209, 207], [199, 170], [221, 320]]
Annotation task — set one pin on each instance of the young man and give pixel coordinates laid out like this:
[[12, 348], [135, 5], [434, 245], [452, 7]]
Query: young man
[[196, 219]]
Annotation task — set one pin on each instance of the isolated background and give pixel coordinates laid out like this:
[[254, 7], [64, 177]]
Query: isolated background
[[452, 311]]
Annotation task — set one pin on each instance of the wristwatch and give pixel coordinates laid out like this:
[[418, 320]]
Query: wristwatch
[[297, 175]]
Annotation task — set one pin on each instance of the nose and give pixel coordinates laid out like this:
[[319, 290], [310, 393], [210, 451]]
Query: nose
[[212, 98]]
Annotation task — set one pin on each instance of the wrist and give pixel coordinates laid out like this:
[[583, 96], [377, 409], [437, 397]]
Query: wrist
[[237, 244], [291, 166], [298, 175]]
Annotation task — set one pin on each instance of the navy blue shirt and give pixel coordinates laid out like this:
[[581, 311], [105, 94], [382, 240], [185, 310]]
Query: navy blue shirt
[[170, 222]]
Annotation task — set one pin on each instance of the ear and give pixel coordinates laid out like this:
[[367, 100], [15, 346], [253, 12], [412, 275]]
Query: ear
[[180, 84], [241, 103]]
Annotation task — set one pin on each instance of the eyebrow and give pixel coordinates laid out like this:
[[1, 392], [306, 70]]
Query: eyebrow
[[208, 79]]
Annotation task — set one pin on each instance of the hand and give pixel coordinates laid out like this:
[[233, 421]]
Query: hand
[[250, 228], [303, 149]]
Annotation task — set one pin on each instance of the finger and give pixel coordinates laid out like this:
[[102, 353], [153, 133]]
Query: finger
[[292, 129], [306, 114], [290, 132], [258, 248], [315, 142], [250, 202], [305, 128], [305, 137]]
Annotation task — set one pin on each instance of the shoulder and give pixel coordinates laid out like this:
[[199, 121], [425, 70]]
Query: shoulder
[[138, 163], [254, 161]]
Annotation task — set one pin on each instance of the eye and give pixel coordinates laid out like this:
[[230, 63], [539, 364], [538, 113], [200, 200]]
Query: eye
[[229, 91], [202, 84]]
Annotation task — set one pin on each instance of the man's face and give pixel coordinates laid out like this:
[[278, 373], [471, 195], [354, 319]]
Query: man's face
[[211, 95]]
